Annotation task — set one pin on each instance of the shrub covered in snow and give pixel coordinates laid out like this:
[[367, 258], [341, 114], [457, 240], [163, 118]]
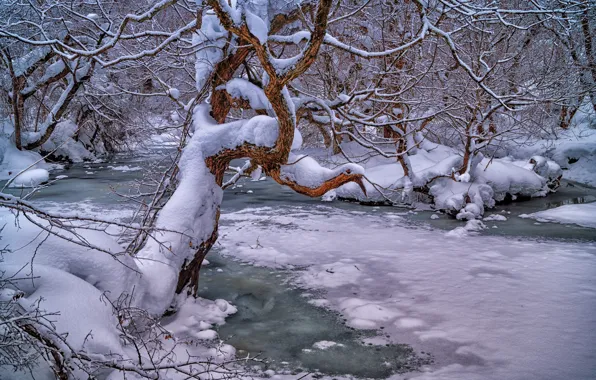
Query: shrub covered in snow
[[434, 173]]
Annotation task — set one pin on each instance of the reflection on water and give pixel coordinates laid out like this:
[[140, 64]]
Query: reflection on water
[[572, 201]]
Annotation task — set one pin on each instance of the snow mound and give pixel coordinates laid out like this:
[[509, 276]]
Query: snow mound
[[326, 344], [108, 271], [81, 306], [125, 168], [308, 172], [573, 150], [259, 130], [31, 178], [583, 215], [506, 178], [12, 160], [434, 171], [495, 218], [473, 225], [243, 89]]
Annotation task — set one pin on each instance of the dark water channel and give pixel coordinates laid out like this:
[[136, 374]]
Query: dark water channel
[[277, 322]]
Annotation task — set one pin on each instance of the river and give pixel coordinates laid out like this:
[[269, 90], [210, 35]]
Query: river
[[277, 317]]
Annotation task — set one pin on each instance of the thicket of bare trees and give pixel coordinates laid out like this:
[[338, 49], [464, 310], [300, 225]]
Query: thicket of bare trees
[[96, 64]]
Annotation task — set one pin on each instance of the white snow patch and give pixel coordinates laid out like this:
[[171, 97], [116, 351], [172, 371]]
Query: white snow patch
[[495, 218], [581, 214], [31, 178], [125, 168], [326, 344]]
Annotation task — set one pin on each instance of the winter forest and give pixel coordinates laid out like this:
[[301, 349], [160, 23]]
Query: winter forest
[[298, 189]]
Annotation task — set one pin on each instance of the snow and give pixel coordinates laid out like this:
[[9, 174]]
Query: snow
[[306, 171], [63, 145], [80, 284], [125, 168], [489, 308], [259, 130], [81, 311], [30, 178], [329, 196], [581, 214], [433, 165], [211, 39], [472, 225], [467, 200], [12, 160], [174, 93], [297, 142], [73, 282], [495, 218], [192, 210], [255, 175], [257, 26], [326, 344], [574, 149], [197, 316], [243, 89], [506, 178], [107, 271]]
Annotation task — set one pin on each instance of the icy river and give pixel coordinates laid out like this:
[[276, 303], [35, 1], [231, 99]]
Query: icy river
[[342, 289]]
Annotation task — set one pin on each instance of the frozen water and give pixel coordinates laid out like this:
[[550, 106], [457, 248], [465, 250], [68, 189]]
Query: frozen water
[[485, 307], [276, 321]]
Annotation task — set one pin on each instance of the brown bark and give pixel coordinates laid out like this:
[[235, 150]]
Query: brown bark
[[467, 149], [224, 71], [566, 115], [188, 277], [318, 191], [17, 103], [402, 149], [18, 107], [60, 367]]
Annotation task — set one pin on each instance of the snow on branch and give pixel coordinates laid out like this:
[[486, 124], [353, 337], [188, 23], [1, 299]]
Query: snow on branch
[[304, 175], [240, 88]]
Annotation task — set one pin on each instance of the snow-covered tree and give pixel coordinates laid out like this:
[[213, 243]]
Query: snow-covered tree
[[394, 78]]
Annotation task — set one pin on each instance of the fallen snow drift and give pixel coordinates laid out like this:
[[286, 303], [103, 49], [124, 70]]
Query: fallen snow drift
[[582, 214], [13, 161], [31, 178], [79, 285]]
